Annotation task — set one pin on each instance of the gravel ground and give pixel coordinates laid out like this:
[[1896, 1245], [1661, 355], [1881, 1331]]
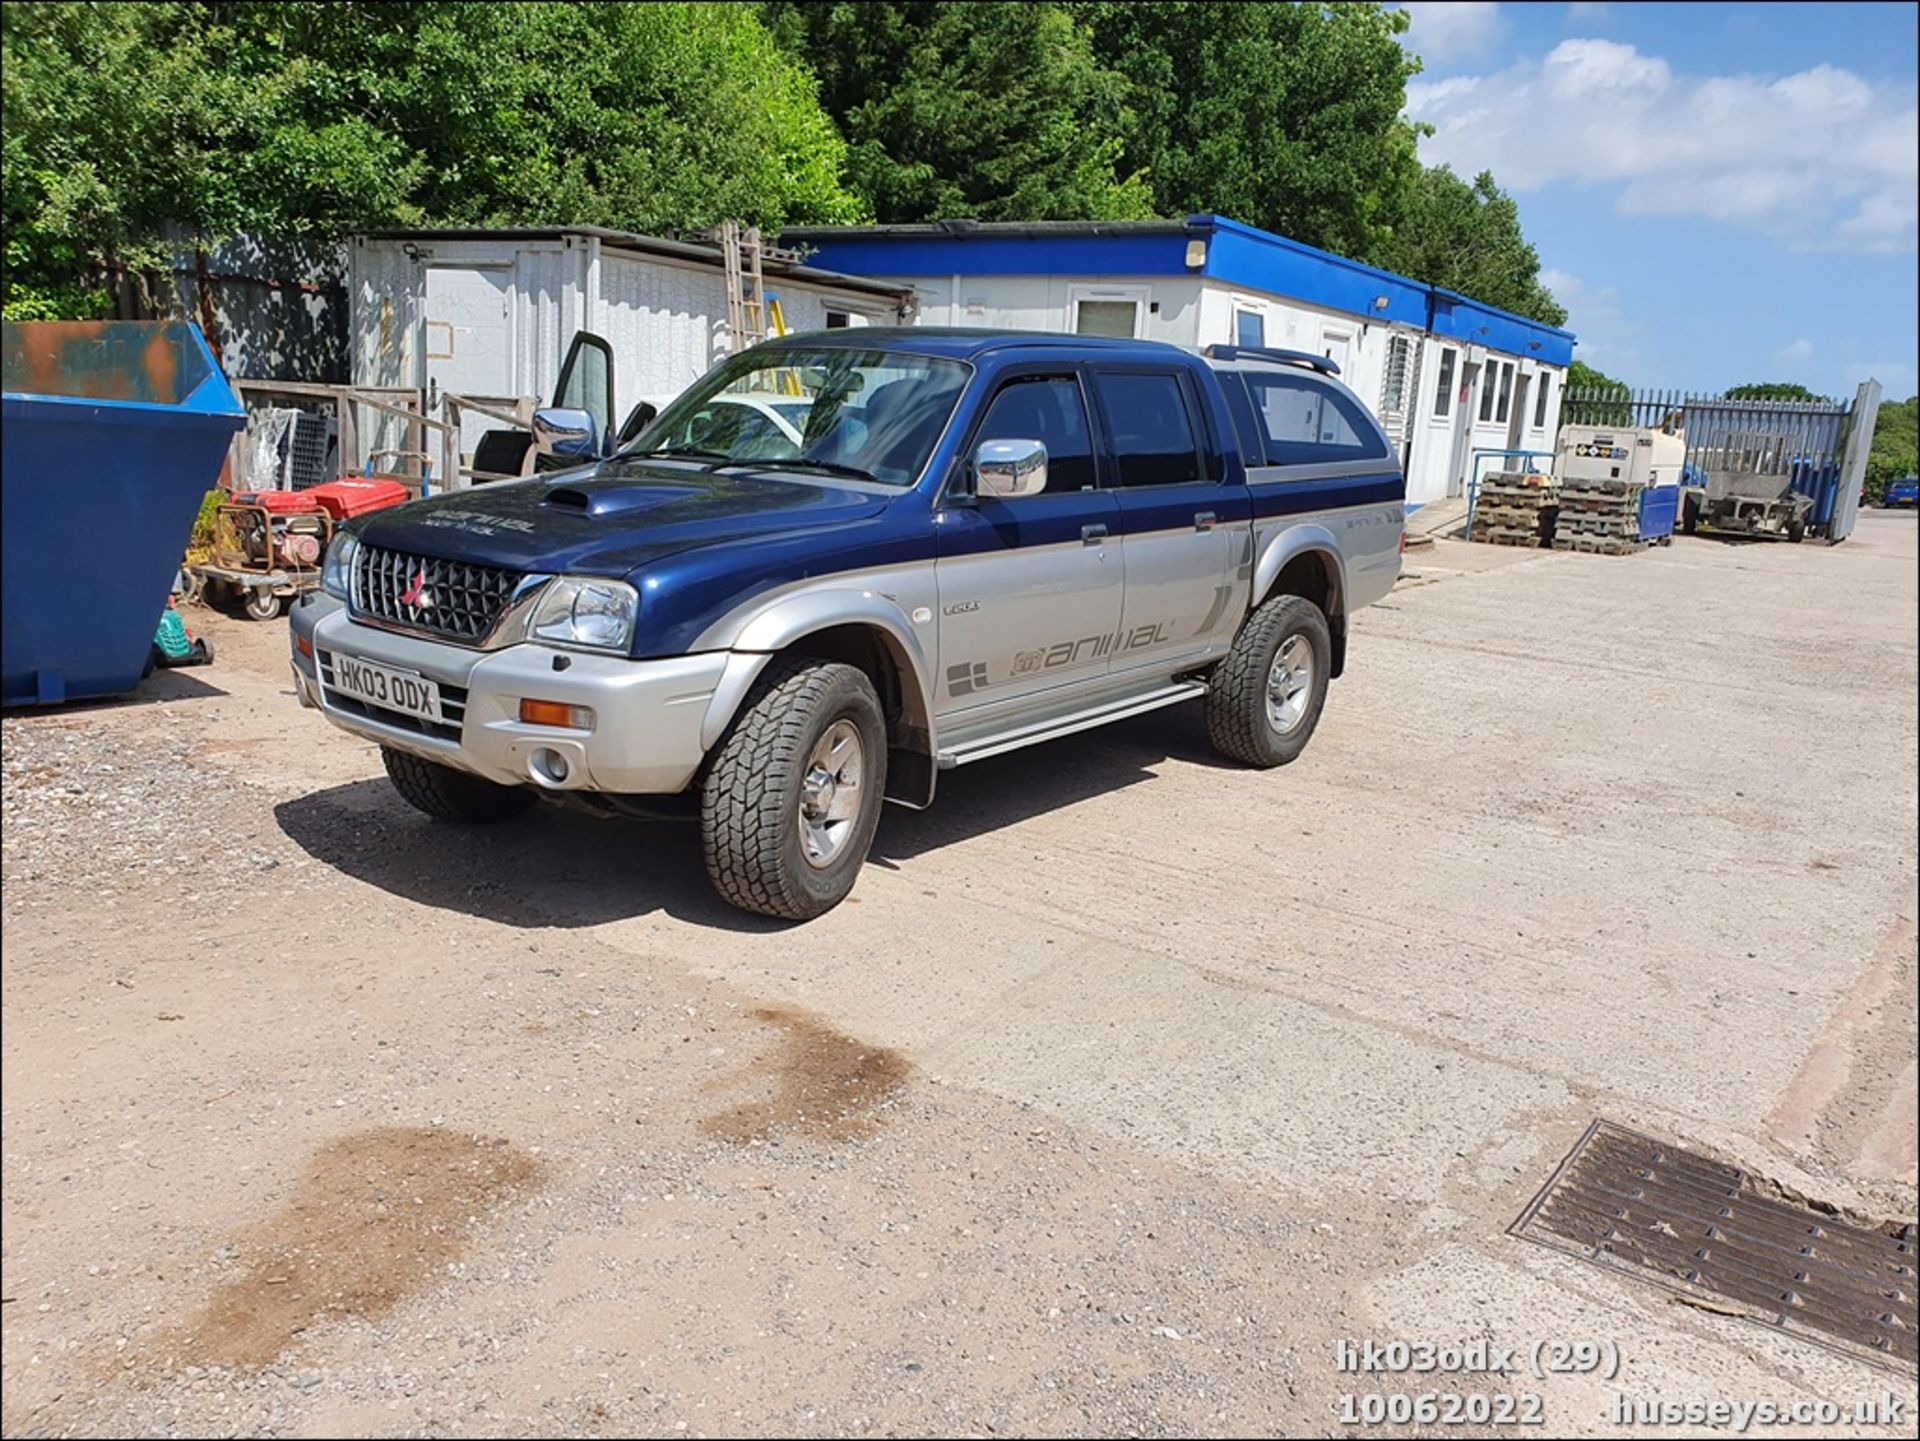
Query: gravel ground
[[1123, 1087]]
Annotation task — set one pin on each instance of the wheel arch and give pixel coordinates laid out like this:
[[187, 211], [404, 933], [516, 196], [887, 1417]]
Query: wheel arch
[[859, 628], [1304, 560]]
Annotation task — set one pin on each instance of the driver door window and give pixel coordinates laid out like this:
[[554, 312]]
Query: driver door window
[[1051, 410]]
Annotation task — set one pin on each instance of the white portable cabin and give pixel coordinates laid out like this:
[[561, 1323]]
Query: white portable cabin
[[1447, 376], [492, 312]]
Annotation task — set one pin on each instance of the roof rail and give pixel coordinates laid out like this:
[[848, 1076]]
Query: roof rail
[[1311, 361]]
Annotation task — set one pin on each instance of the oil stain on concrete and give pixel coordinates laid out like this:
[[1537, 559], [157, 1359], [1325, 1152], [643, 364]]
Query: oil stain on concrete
[[820, 1085], [374, 1216]]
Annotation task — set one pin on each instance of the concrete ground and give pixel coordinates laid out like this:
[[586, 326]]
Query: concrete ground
[[1126, 1084]]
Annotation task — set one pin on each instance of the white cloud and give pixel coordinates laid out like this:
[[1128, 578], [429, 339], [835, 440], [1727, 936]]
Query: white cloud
[[1800, 352], [1821, 159], [1898, 378], [1445, 30], [1595, 314]]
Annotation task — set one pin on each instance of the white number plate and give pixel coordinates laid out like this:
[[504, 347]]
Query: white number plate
[[405, 691]]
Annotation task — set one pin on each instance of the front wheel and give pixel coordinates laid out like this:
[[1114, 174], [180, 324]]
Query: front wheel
[[1265, 698], [1796, 531], [450, 795], [790, 804], [262, 603]]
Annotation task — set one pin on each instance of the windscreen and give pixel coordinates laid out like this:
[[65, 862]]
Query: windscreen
[[868, 414]]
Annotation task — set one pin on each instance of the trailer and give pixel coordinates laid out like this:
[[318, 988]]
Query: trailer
[[1746, 485]]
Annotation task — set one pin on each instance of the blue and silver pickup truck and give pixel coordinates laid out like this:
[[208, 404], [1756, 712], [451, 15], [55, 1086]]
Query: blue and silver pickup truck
[[844, 562]]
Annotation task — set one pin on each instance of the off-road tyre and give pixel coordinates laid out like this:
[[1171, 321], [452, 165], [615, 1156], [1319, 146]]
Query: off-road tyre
[[750, 798], [1238, 722], [450, 795]]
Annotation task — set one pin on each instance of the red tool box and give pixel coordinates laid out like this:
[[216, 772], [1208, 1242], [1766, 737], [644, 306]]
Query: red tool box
[[349, 496], [279, 502]]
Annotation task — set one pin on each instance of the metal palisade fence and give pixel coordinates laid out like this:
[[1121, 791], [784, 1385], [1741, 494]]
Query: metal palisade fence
[[1818, 447]]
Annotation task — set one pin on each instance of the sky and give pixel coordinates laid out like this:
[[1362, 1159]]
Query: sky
[[1719, 193]]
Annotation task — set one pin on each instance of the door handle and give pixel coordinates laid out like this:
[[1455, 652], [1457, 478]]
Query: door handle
[[1092, 534], [1204, 520]]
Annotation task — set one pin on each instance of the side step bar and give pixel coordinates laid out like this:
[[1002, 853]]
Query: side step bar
[[979, 750]]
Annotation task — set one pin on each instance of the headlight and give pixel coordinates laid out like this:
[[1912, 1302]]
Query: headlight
[[582, 611], [336, 572]]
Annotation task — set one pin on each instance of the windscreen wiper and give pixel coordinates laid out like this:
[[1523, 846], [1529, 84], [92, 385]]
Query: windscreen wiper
[[831, 467], [679, 452]]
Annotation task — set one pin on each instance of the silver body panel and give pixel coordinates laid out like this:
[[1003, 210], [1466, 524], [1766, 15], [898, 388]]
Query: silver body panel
[[1185, 588]]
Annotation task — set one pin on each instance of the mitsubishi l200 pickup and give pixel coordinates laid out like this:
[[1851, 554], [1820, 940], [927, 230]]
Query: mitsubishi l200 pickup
[[844, 562]]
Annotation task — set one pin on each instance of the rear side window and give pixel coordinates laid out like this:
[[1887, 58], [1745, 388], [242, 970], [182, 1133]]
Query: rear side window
[[1306, 423], [1151, 425], [1049, 409]]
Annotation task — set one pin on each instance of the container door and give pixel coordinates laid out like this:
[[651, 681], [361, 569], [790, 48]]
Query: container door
[[469, 340], [1337, 346]]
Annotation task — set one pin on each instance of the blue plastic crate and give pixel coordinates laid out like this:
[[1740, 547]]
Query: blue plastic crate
[[1659, 511]]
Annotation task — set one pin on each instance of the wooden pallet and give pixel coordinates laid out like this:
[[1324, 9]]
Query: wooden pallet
[[1527, 539], [1598, 545], [1599, 489]]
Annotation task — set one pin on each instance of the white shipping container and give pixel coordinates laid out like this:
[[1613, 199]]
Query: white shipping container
[[490, 313]]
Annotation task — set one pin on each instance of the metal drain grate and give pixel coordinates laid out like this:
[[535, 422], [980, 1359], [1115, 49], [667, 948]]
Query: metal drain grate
[[1635, 1204]]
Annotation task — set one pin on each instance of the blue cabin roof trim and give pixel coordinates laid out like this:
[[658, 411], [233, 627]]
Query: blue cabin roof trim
[[1259, 260], [1236, 254]]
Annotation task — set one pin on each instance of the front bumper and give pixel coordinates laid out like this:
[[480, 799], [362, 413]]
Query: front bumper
[[646, 737]]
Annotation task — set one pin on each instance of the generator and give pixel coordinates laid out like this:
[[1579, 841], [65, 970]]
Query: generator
[[276, 528], [1647, 459], [267, 547]]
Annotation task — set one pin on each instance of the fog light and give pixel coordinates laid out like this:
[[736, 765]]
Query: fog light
[[549, 766], [556, 713]]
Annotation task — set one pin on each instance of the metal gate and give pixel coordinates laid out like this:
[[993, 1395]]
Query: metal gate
[[1816, 447]]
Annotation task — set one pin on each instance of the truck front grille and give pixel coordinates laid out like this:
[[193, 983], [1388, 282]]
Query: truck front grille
[[446, 597]]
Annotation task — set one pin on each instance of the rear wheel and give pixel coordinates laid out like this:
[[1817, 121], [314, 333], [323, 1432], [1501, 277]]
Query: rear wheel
[[1690, 516], [790, 804], [1796, 531], [450, 795], [1265, 698], [262, 603]]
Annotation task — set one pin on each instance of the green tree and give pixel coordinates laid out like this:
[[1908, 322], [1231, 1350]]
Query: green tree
[[1595, 398], [1895, 452], [1467, 238], [988, 111], [306, 121], [1288, 117], [1773, 390]]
